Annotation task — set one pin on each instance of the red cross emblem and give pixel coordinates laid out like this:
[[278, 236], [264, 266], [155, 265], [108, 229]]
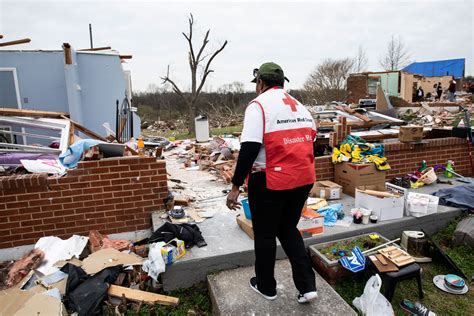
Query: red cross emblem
[[290, 101]]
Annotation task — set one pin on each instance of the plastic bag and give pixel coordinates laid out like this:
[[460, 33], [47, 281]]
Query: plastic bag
[[155, 264], [372, 302], [332, 213]]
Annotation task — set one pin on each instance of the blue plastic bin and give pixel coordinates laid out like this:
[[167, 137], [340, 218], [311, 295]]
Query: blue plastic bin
[[246, 207]]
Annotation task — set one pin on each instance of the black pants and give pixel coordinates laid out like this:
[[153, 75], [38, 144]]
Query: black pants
[[276, 214]]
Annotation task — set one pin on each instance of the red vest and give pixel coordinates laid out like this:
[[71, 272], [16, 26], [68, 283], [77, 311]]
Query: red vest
[[288, 138]]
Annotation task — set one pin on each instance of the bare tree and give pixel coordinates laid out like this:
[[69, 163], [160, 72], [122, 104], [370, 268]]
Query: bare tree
[[190, 99], [327, 82], [396, 56], [360, 60]]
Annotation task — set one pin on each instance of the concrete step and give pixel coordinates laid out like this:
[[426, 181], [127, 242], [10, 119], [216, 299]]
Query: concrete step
[[231, 295]]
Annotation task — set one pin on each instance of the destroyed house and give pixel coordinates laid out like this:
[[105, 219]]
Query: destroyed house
[[91, 87], [399, 84]]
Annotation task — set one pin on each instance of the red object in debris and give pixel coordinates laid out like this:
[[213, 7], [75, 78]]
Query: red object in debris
[[97, 241], [19, 269]]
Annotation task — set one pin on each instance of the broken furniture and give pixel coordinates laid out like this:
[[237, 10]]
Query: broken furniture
[[412, 271]]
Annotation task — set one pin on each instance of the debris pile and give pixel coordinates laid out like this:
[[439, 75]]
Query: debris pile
[[107, 274]]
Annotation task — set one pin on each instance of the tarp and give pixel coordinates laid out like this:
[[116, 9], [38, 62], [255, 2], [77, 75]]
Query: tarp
[[450, 67]]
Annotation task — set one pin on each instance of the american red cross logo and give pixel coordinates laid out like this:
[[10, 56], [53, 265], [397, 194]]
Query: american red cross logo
[[290, 101]]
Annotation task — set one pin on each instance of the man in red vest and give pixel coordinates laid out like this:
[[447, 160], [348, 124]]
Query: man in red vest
[[277, 156]]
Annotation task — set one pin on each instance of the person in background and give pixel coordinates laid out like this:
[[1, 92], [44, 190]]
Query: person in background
[[439, 91], [420, 94], [277, 157], [452, 91]]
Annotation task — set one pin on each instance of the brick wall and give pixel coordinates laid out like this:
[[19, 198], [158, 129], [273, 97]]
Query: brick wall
[[324, 168], [405, 158], [356, 88], [111, 195]]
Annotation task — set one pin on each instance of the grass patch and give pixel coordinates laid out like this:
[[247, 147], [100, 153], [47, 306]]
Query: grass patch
[[436, 300], [462, 255], [440, 302], [192, 301]]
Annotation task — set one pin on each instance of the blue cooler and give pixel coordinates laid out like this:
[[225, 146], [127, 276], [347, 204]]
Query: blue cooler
[[246, 207]]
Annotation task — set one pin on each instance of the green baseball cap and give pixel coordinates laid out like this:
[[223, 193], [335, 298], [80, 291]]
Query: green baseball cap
[[269, 70]]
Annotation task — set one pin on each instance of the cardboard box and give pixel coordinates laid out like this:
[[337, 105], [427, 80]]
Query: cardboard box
[[245, 224], [326, 190], [351, 175], [311, 223], [386, 208], [173, 250], [410, 133]]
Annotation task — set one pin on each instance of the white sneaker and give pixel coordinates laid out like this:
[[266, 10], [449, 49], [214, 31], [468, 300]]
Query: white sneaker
[[253, 286], [307, 297]]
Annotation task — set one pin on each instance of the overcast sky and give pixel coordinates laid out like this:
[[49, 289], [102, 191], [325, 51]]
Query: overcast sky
[[296, 35]]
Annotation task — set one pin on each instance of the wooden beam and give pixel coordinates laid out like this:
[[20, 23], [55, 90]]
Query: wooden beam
[[16, 42], [125, 56], [142, 296], [353, 112], [33, 113], [70, 139], [86, 131], [94, 49]]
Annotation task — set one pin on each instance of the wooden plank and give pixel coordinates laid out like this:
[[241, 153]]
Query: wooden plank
[[353, 112], [70, 139], [382, 264], [86, 131], [142, 296], [33, 113], [16, 42]]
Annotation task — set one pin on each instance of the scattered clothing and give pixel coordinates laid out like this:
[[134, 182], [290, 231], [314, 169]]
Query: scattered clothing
[[461, 196], [73, 154], [357, 150], [189, 233], [85, 294]]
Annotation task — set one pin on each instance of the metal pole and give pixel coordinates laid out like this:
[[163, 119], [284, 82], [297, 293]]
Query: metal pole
[[90, 35], [117, 136], [131, 119]]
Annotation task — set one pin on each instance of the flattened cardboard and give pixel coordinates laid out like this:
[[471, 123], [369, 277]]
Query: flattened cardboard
[[350, 175], [41, 304], [326, 190], [108, 257]]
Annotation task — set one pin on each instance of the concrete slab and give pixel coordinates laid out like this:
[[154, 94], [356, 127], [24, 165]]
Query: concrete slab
[[229, 247], [231, 295]]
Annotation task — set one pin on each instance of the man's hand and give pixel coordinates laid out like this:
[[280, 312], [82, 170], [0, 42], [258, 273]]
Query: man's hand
[[232, 198]]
